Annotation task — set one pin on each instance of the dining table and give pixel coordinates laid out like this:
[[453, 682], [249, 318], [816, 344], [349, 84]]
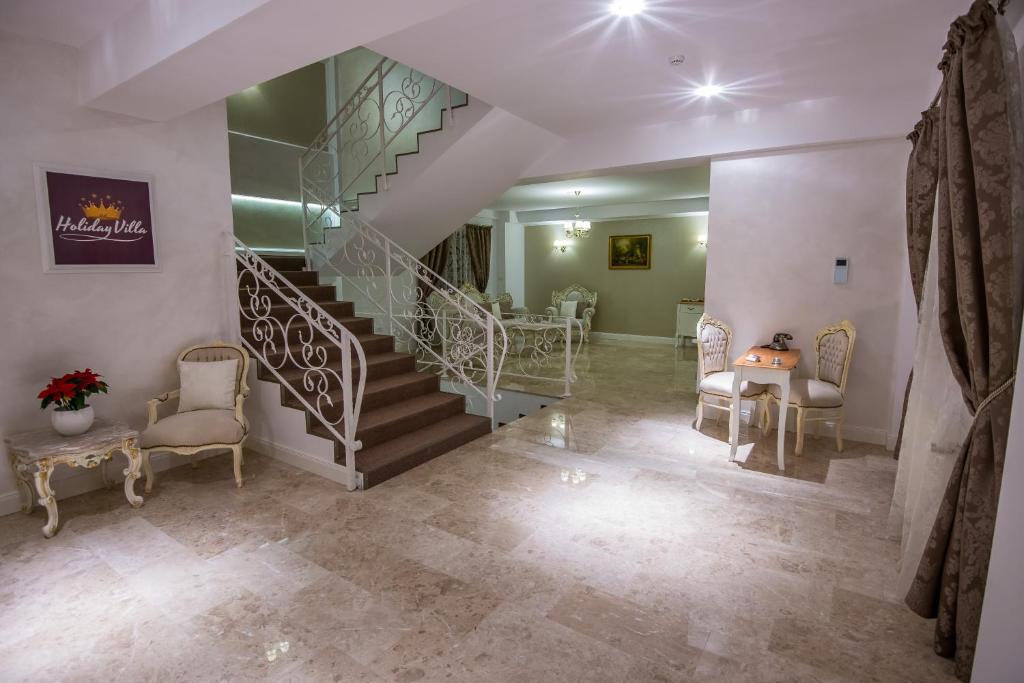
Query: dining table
[[765, 366]]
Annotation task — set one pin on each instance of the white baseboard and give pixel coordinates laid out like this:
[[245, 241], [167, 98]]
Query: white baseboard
[[68, 482], [304, 461], [618, 336]]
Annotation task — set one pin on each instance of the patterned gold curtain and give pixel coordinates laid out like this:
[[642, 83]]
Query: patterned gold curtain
[[478, 238], [979, 231], [436, 260], [922, 179]]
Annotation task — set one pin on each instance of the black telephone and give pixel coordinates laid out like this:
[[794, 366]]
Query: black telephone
[[779, 342]]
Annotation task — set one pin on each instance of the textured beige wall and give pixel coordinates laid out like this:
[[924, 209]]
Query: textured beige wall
[[127, 326], [778, 221], [629, 301]]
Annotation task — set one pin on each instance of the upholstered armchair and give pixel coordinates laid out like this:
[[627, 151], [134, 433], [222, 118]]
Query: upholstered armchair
[[505, 309], [714, 388], [586, 305], [821, 398], [191, 431]]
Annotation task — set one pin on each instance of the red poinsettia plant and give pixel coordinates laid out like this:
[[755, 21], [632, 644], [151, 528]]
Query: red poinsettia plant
[[70, 391]]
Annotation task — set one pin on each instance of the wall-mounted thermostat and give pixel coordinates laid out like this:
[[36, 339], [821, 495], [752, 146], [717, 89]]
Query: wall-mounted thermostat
[[842, 270]]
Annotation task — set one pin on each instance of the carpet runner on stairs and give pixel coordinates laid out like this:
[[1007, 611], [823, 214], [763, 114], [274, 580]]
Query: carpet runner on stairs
[[405, 418]]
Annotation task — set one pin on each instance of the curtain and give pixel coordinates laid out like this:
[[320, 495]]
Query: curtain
[[478, 239], [978, 269], [936, 423], [436, 260], [459, 271], [922, 179]]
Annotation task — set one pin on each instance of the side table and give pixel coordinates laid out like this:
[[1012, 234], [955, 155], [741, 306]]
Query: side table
[[39, 452]]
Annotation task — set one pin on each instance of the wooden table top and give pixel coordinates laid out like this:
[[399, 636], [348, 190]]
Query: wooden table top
[[789, 358]]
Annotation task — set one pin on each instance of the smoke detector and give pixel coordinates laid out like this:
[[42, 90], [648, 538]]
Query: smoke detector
[[677, 60]]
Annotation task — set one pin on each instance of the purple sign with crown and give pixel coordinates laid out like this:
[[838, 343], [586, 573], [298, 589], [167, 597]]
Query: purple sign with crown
[[92, 221]]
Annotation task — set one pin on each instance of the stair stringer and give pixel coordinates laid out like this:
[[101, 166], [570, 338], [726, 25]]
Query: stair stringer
[[457, 172], [280, 432]]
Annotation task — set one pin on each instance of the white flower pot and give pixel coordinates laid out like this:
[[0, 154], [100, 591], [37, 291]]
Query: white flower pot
[[72, 422]]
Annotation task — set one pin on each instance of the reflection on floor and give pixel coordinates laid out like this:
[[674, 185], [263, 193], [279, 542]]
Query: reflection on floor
[[601, 539]]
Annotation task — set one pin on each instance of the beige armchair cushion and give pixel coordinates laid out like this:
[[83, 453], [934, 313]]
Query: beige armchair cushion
[[720, 384], [194, 428], [207, 384], [811, 393]]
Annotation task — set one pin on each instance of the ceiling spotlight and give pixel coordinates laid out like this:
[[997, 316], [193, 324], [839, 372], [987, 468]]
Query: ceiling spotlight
[[627, 8], [708, 90]]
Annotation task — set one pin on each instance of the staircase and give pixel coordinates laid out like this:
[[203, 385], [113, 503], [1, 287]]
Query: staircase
[[405, 418]]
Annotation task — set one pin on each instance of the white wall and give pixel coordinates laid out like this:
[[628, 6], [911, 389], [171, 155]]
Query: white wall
[[777, 222], [128, 326], [515, 261]]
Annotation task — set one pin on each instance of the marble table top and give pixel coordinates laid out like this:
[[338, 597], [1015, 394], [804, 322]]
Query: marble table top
[[46, 443]]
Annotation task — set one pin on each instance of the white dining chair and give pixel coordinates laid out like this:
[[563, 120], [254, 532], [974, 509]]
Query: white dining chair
[[821, 398], [714, 389]]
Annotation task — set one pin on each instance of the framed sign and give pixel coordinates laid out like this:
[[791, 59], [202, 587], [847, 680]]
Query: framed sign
[[95, 221], [629, 252]]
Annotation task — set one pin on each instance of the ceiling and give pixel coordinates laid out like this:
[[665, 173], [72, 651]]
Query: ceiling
[[60, 21], [573, 67], [601, 190]]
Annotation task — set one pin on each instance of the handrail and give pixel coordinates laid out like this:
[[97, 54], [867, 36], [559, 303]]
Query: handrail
[[481, 340], [345, 149], [355, 93], [372, 127], [313, 360]]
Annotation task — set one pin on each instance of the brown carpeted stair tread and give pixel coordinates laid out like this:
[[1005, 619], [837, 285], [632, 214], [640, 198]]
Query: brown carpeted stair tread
[[390, 421], [373, 344], [405, 418], [378, 365], [385, 390], [390, 458]]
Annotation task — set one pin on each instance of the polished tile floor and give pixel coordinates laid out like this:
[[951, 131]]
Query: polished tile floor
[[601, 539]]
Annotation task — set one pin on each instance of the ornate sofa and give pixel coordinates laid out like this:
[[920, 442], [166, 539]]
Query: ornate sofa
[[575, 292]]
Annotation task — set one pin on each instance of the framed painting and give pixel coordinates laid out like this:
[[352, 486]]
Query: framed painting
[[629, 252], [93, 220]]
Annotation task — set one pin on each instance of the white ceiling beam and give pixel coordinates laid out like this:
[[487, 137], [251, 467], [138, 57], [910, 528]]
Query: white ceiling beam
[[165, 58], [667, 207]]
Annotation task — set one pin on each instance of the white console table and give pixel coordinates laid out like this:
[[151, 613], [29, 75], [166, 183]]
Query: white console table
[[687, 315]]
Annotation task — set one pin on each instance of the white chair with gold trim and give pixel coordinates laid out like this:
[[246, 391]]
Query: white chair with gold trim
[[821, 398], [202, 423], [574, 301], [714, 389]]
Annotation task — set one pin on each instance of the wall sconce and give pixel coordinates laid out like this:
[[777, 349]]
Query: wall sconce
[[702, 241], [561, 245]]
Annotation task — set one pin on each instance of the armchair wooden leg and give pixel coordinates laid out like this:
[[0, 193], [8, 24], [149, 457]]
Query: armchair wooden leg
[[700, 411], [237, 453], [839, 434], [148, 469], [799, 431]]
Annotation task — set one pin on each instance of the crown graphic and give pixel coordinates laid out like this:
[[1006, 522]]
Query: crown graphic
[[105, 209]]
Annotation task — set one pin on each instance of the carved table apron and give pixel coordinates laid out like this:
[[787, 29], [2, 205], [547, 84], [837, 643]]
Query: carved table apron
[[38, 452]]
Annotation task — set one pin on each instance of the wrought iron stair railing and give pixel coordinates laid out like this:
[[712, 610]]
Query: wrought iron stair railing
[[300, 335], [417, 306]]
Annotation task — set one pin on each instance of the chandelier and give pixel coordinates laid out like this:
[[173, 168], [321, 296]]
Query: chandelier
[[577, 229]]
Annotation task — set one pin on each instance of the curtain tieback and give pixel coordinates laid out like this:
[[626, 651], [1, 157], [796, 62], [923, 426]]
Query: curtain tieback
[[994, 395]]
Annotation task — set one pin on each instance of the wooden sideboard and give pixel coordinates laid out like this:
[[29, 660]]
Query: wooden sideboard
[[687, 315]]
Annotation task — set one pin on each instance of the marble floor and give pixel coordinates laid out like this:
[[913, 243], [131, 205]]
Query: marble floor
[[601, 539]]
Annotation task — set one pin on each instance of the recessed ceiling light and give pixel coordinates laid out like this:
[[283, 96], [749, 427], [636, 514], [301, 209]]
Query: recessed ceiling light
[[709, 90], [627, 8]]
